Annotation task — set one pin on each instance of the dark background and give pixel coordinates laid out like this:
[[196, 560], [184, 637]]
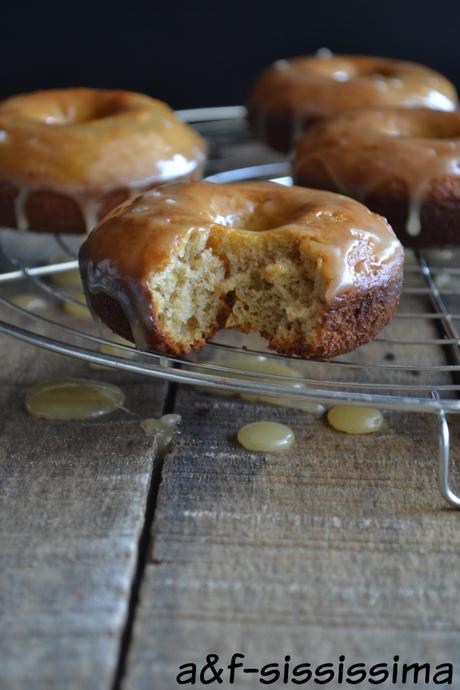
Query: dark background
[[208, 53]]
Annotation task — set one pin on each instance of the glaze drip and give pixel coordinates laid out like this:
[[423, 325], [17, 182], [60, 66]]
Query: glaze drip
[[363, 154], [22, 222], [91, 147], [93, 207]]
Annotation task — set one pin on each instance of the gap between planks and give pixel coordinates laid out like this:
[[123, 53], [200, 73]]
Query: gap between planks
[[144, 549]]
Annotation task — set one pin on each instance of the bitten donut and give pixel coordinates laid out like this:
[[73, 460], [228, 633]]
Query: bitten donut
[[292, 94], [315, 273], [404, 164], [68, 156]]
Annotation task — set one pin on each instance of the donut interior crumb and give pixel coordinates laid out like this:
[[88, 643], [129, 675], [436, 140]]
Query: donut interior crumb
[[262, 286]]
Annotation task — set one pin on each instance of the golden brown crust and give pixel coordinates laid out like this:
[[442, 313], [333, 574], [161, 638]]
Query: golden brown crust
[[157, 339], [344, 326], [67, 156], [401, 164], [355, 320], [292, 94], [360, 260]]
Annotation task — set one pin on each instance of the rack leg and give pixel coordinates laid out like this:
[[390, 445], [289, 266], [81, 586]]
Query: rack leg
[[444, 459]]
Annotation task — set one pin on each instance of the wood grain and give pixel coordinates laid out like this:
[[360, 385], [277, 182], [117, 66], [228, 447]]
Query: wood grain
[[343, 545], [73, 498]]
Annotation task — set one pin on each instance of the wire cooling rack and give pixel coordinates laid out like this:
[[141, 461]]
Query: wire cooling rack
[[414, 365]]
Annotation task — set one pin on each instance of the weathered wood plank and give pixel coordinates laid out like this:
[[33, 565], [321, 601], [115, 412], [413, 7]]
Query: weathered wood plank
[[343, 545], [73, 498]]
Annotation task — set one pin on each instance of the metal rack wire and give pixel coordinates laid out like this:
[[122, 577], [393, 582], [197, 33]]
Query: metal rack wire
[[414, 374]]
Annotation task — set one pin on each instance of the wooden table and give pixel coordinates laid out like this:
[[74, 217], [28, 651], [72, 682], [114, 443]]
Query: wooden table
[[118, 566]]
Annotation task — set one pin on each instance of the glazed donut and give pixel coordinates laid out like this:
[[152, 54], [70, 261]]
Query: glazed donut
[[67, 156], [292, 94], [403, 164], [315, 273]]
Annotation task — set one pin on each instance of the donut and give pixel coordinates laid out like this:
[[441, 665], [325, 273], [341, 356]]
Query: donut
[[403, 164], [292, 94], [315, 273], [67, 156]]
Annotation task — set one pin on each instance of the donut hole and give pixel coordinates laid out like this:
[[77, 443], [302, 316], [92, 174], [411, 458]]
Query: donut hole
[[258, 216], [64, 109], [381, 72], [342, 69], [80, 113]]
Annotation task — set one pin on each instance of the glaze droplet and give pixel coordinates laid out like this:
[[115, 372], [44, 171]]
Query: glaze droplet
[[107, 349], [163, 429], [29, 302], [355, 420], [64, 399], [69, 279], [269, 366], [266, 437], [79, 310]]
